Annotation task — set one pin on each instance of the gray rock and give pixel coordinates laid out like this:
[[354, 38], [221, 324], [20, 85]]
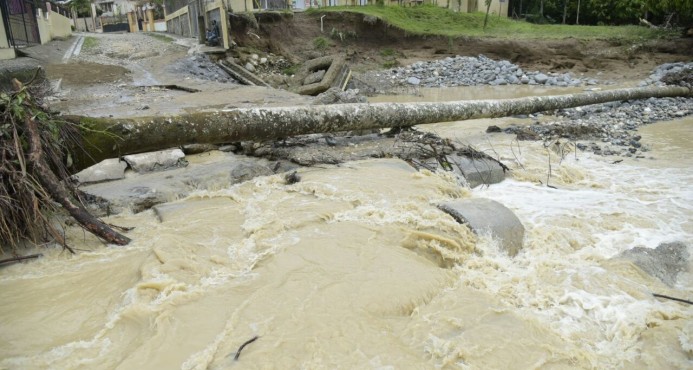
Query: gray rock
[[524, 80], [106, 170], [413, 81], [541, 78], [249, 170], [481, 171], [485, 215], [156, 161], [189, 149], [314, 77], [250, 67], [664, 262], [228, 148], [139, 192]]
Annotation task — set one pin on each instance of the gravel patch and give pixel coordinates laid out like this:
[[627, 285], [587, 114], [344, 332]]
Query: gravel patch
[[606, 129], [468, 71], [659, 75]]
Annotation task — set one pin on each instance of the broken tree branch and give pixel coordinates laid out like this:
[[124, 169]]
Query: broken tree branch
[[238, 353], [20, 258], [57, 190], [61, 195]]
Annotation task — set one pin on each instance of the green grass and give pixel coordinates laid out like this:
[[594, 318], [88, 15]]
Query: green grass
[[159, 36], [289, 71], [320, 43], [433, 20], [387, 52], [89, 43]]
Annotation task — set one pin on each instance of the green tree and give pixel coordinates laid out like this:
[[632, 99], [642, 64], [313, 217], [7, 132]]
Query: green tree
[[82, 7], [682, 8]]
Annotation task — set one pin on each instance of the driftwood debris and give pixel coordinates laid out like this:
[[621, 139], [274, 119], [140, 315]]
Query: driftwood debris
[[238, 353], [646, 23], [60, 194], [32, 175], [113, 137], [19, 258], [672, 298]]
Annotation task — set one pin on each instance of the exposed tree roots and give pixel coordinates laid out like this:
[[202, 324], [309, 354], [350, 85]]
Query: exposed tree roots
[[33, 175]]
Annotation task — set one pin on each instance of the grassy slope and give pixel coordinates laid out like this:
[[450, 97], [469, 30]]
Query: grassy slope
[[433, 20]]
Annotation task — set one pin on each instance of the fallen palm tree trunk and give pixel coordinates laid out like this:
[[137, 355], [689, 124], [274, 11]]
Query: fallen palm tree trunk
[[113, 137]]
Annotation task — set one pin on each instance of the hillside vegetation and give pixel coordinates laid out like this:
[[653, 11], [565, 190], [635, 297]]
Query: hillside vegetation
[[433, 20]]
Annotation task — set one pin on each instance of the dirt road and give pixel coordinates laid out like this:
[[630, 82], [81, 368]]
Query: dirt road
[[123, 75], [118, 74]]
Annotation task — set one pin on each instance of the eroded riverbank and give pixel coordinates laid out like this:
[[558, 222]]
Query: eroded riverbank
[[354, 266]]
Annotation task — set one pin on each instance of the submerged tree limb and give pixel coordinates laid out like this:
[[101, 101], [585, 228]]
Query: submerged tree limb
[[112, 137], [19, 258]]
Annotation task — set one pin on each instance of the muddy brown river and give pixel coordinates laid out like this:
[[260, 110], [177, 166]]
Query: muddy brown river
[[354, 267]]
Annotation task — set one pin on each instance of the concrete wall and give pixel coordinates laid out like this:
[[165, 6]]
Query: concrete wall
[[43, 27], [178, 22], [471, 6], [160, 25], [53, 25], [239, 6], [85, 25], [499, 7], [216, 11], [6, 52], [61, 26], [149, 20]]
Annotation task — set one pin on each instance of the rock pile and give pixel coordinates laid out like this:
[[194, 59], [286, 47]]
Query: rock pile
[[468, 71], [611, 127], [659, 75]]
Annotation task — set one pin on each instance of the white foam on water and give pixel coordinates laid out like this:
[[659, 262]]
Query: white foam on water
[[559, 276]]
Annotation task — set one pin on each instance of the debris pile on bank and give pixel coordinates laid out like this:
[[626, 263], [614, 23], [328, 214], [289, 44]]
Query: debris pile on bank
[[611, 127], [671, 74]]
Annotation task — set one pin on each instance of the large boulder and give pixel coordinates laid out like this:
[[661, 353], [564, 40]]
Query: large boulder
[[156, 161], [489, 216], [141, 191], [106, 170], [664, 262], [477, 171]]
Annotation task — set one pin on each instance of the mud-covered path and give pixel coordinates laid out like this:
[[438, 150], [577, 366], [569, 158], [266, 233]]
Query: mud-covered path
[[119, 75]]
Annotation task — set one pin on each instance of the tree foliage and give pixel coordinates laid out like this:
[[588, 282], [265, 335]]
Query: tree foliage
[[83, 7], [606, 12]]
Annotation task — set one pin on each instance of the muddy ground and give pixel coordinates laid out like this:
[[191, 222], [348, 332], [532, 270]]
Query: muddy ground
[[122, 75], [364, 41]]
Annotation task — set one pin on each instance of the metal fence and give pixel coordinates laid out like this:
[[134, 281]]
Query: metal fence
[[20, 22]]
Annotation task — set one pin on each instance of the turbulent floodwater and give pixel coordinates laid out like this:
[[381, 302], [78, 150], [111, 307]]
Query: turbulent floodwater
[[355, 267]]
